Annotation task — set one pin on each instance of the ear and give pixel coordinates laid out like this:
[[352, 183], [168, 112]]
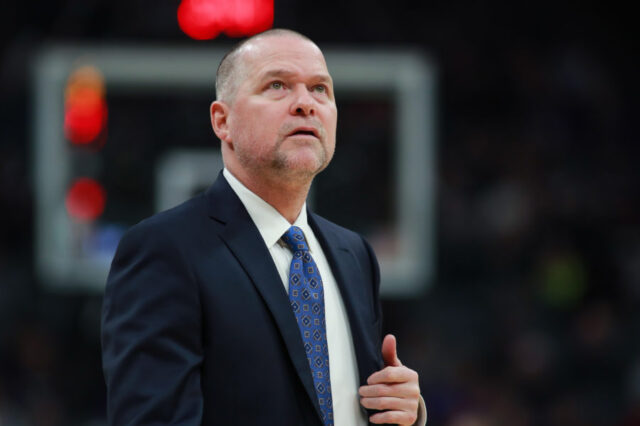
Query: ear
[[220, 120]]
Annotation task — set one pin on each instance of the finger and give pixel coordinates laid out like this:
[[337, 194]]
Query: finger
[[398, 390], [395, 417], [390, 403], [393, 375], [389, 352]]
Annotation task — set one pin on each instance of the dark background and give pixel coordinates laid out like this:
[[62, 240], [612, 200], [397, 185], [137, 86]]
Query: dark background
[[532, 318]]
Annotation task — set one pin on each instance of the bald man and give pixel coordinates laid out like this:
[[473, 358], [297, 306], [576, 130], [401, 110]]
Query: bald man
[[240, 306]]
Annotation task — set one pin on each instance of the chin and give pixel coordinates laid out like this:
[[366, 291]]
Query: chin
[[309, 159], [301, 166]]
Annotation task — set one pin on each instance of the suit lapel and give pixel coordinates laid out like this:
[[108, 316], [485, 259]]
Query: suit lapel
[[349, 278], [243, 239]]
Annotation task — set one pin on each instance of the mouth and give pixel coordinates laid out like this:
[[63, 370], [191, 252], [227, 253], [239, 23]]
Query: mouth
[[304, 131]]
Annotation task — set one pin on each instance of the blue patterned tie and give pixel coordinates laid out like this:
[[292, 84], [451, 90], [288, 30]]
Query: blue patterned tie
[[307, 300]]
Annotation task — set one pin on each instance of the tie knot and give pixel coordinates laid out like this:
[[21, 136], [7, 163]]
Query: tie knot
[[295, 239]]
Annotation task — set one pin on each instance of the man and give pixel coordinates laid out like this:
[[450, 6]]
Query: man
[[219, 311]]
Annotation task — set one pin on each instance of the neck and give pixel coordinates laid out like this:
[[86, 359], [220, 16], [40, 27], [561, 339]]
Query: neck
[[287, 196]]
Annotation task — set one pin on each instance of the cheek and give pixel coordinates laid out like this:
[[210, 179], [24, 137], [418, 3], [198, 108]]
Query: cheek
[[262, 123], [258, 138], [331, 117], [330, 126]]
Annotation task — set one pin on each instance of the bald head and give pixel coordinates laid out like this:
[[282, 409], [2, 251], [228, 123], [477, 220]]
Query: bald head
[[231, 70]]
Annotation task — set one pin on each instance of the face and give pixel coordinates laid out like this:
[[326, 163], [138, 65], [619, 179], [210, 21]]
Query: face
[[282, 121]]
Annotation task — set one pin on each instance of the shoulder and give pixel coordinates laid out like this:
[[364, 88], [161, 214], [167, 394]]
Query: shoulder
[[171, 224], [170, 235], [156, 254], [181, 215]]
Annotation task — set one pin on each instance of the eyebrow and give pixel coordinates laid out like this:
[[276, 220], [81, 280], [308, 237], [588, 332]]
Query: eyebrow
[[286, 73]]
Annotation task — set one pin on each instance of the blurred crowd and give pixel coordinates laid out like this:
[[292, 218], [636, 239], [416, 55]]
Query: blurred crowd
[[532, 318]]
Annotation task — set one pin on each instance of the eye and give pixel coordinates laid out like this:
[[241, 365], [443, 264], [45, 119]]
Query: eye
[[277, 85], [320, 88]]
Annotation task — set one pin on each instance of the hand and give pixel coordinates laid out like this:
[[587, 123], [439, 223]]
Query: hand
[[395, 389]]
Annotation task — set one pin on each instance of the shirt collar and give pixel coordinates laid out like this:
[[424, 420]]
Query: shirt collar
[[270, 223]]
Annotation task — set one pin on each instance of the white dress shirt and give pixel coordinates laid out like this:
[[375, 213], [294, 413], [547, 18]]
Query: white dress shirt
[[342, 359]]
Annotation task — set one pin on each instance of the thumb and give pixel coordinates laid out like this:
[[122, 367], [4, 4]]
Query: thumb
[[389, 353]]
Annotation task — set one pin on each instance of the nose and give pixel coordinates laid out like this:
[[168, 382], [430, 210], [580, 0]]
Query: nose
[[303, 103]]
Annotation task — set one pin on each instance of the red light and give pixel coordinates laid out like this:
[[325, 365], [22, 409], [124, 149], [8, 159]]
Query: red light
[[206, 19], [197, 18], [85, 115], [251, 17], [85, 200]]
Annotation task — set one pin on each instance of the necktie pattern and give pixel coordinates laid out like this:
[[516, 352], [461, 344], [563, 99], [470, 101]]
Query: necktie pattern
[[306, 295]]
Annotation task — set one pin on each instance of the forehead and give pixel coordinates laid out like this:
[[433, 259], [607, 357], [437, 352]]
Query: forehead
[[289, 53]]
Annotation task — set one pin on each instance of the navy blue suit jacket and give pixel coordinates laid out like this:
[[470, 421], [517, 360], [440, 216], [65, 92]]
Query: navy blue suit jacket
[[197, 326]]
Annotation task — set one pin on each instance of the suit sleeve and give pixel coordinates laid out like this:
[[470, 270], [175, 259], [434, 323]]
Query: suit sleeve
[[151, 333]]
